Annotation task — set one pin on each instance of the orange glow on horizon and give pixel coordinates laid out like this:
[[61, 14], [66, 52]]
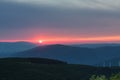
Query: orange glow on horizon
[[53, 40]]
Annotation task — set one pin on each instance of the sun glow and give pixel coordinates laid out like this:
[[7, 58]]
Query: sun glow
[[40, 41], [108, 39]]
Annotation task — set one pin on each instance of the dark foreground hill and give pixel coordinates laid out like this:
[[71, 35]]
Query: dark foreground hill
[[11, 69], [74, 55], [32, 60]]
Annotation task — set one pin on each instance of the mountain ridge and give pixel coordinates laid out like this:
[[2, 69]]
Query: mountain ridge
[[8, 48], [71, 54]]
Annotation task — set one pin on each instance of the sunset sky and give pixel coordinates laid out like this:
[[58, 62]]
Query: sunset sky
[[60, 21]]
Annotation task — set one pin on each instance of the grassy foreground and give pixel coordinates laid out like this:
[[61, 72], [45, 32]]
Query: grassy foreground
[[11, 69]]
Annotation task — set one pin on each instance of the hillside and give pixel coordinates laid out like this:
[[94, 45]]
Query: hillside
[[11, 47], [61, 52], [74, 55], [96, 45], [7, 48], [110, 62], [12, 70], [32, 60]]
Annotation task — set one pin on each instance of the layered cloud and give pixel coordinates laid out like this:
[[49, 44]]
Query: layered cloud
[[23, 19], [91, 4]]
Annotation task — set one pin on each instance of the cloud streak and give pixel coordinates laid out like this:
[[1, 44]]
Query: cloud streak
[[80, 4], [22, 19]]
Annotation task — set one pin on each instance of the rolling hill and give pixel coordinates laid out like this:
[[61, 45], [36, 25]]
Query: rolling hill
[[7, 48], [32, 60], [73, 55], [17, 69], [61, 52], [96, 45]]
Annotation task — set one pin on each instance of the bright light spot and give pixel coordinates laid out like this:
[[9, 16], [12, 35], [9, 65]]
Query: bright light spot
[[40, 41]]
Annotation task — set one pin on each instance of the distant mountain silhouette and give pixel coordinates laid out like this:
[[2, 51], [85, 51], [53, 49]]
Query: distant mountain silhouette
[[109, 63], [109, 56], [96, 45], [61, 52], [70, 54], [12, 47]]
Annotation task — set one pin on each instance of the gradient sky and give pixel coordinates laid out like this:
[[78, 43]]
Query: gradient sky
[[60, 21]]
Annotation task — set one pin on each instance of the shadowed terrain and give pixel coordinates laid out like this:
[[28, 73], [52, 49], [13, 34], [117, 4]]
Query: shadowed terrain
[[74, 55], [30, 69]]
